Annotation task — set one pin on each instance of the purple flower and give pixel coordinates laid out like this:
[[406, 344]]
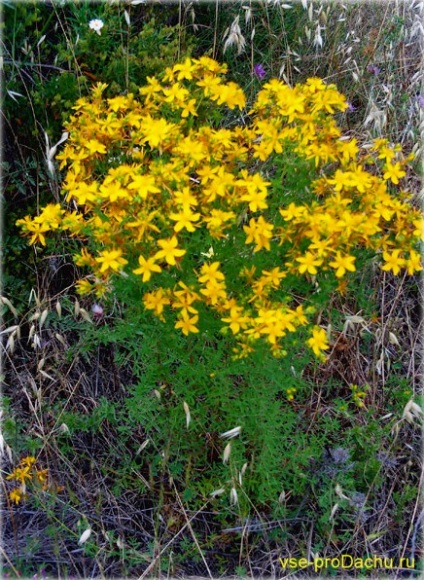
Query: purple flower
[[97, 311], [420, 99], [259, 70], [373, 69], [350, 107]]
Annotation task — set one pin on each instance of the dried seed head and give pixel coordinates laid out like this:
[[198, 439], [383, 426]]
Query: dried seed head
[[247, 14], [217, 492], [234, 37], [47, 377], [233, 496], [43, 317], [31, 332], [340, 493], [10, 345], [411, 411], [83, 312], [227, 453], [84, 537], [142, 446], [9, 329], [231, 433], [187, 413], [333, 511], [60, 338], [6, 301]]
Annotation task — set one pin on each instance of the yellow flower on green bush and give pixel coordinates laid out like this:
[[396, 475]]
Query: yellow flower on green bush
[[28, 476], [318, 341], [111, 260], [154, 180]]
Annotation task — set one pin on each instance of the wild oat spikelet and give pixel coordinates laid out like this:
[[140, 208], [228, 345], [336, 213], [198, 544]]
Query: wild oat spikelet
[[187, 413], [227, 453], [231, 433], [234, 37]]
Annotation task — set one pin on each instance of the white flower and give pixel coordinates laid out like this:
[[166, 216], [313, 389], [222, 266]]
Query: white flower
[[96, 25]]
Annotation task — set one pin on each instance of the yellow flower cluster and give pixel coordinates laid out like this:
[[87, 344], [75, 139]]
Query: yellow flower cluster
[[151, 178], [359, 394], [25, 473]]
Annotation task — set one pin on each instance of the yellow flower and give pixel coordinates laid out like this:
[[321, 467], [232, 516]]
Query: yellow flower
[[120, 103], [27, 461], [413, 263], [95, 146], [185, 198], [230, 94], [189, 108], [272, 277], [185, 298], [146, 268], [51, 216], [393, 262], [211, 273], [84, 258], [216, 222], [299, 316], [318, 342], [156, 301], [84, 287], [169, 250], [185, 70], [175, 93], [236, 320], [20, 474], [256, 190], [187, 324], [214, 291], [144, 184], [209, 84], [394, 172], [343, 263], [111, 260], [293, 212], [41, 475], [16, 495], [113, 191], [184, 219], [308, 263], [156, 131], [260, 232]]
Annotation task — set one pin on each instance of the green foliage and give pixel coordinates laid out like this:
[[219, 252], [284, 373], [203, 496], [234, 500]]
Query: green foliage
[[221, 394]]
